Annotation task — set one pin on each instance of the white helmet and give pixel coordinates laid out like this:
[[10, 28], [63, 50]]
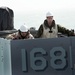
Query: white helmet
[[23, 28], [48, 14]]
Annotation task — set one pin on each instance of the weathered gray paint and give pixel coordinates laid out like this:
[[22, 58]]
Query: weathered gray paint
[[47, 45], [1, 58], [62, 56], [33, 59], [73, 53], [24, 66], [39, 56], [5, 57]]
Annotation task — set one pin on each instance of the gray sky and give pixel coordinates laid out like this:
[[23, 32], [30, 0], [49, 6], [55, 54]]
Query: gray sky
[[23, 7], [33, 5]]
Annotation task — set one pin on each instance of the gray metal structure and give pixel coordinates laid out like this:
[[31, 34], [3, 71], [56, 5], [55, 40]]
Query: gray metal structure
[[37, 56], [6, 18]]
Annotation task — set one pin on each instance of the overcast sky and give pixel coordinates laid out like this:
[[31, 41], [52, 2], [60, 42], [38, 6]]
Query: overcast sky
[[33, 5], [21, 7]]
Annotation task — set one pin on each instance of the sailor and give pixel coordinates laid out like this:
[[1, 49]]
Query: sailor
[[48, 29], [23, 33]]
